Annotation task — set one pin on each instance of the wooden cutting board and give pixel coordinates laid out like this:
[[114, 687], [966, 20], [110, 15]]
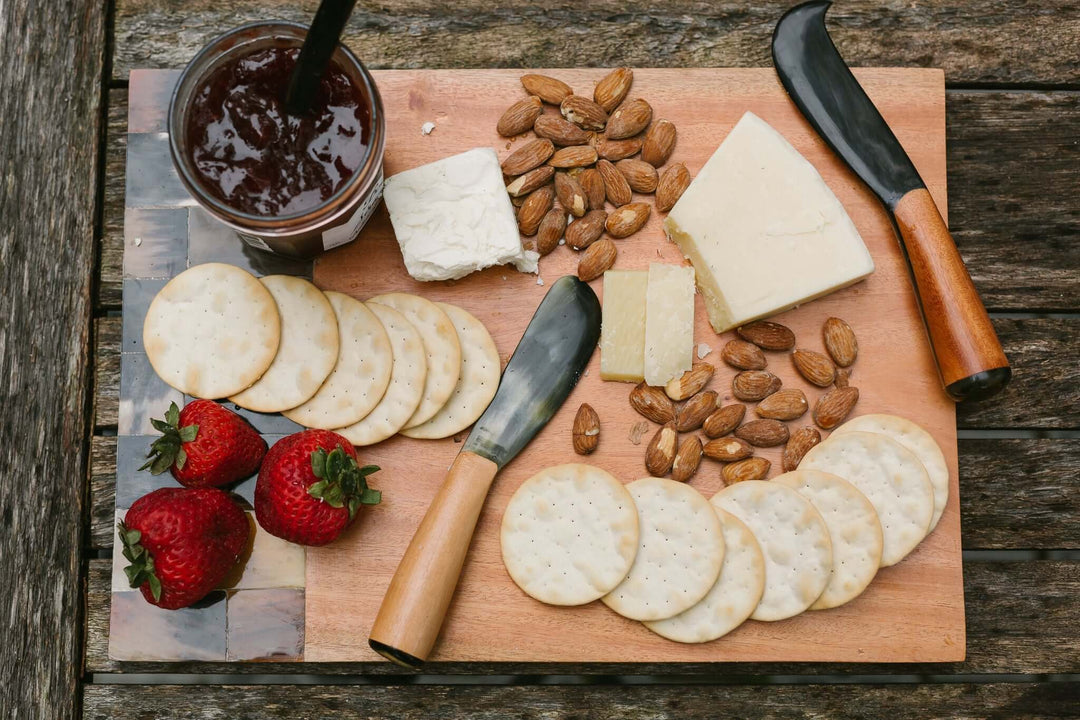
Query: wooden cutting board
[[913, 612]]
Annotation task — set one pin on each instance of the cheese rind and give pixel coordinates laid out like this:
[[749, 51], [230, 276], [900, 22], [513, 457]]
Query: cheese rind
[[453, 217], [669, 322], [763, 230], [622, 327]]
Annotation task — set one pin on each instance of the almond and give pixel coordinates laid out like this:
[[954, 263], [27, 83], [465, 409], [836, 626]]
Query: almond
[[743, 355], [783, 405], [583, 112], [687, 459], [660, 454], [843, 377], [551, 230], [754, 385], [530, 181], [652, 403], [586, 432], [754, 468], [618, 190], [592, 182], [627, 220], [575, 156], [671, 186], [629, 119], [570, 194], [798, 445], [840, 341], [694, 411], [598, 258], [519, 117], [530, 155], [728, 449], [534, 209], [659, 143], [559, 131], [690, 382], [613, 87], [615, 150], [546, 88], [816, 367], [835, 405], [763, 433], [585, 231], [724, 420], [768, 335], [640, 176]]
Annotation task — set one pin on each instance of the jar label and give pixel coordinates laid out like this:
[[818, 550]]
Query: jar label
[[347, 232]]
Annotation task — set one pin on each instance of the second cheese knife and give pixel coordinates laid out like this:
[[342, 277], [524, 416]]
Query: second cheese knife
[[969, 355]]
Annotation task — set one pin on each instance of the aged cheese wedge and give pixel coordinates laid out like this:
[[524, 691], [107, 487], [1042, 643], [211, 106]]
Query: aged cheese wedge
[[763, 230], [669, 322], [622, 333]]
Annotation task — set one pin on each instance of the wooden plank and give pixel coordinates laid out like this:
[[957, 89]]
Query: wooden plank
[[107, 338], [986, 41], [1014, 494], [1014, 176], [111, 262], [1021, 618], [50, 95], [599, 702], [1045, 389]]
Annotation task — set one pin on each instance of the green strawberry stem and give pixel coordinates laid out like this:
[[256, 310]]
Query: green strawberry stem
[[168, 449], [341, 481], [141, 569]]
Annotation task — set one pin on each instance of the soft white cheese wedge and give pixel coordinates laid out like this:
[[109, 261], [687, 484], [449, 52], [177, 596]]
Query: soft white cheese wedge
[[453, 217], [669, 322], [763, 230]]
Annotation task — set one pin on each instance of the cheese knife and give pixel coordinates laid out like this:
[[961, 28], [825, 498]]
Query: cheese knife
[[544, 368], [969, 356]]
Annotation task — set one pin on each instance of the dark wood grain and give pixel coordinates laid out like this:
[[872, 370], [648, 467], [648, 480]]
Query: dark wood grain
[[107, 338], [986, 41], [1014, 174], [1021, 618], [50, 95]]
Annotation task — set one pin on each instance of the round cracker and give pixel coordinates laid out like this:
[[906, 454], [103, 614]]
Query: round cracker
[[569, 534], [406, 387], [680, 551], [854, 530], [212, 331], [307, 352], [890, 476], [918, 441], [731, 599], [794, 541], [442, 347], [476, 385], [362, 372]]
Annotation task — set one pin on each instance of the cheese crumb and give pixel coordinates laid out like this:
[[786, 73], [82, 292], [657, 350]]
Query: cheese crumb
[[427, 127], [539, 280], [138, 241], [703, 350]]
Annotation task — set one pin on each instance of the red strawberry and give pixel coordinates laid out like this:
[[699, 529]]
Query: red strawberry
[[205, 444], [310, 487], [181, 543]]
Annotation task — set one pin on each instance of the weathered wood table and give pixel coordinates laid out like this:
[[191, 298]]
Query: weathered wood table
[[1013, 74]]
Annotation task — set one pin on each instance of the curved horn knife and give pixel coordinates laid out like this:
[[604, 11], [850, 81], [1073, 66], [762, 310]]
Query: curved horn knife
[[969, 355]]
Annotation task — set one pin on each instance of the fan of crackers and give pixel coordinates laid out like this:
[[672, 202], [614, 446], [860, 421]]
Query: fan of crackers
[[693, 569], [395, 363]]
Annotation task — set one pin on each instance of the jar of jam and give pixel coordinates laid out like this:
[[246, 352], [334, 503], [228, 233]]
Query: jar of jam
[[288, 184]]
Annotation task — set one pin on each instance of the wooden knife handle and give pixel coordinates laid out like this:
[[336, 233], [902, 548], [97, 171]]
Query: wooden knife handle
[[969, 354], [415, 604]]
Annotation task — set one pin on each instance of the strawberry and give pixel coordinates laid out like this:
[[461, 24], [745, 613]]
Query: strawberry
[[181, 543], [310, 487], [205, 445]]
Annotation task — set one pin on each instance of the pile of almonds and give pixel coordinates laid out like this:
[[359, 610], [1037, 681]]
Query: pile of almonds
[[583, 158], [684, 406]]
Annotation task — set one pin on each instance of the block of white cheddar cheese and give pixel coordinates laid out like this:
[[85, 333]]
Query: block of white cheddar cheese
[[453, 217], [763, 230], [622, 327], [669, 322]]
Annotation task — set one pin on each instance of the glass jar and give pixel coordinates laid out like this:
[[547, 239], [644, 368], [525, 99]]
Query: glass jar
[[335, 221]]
